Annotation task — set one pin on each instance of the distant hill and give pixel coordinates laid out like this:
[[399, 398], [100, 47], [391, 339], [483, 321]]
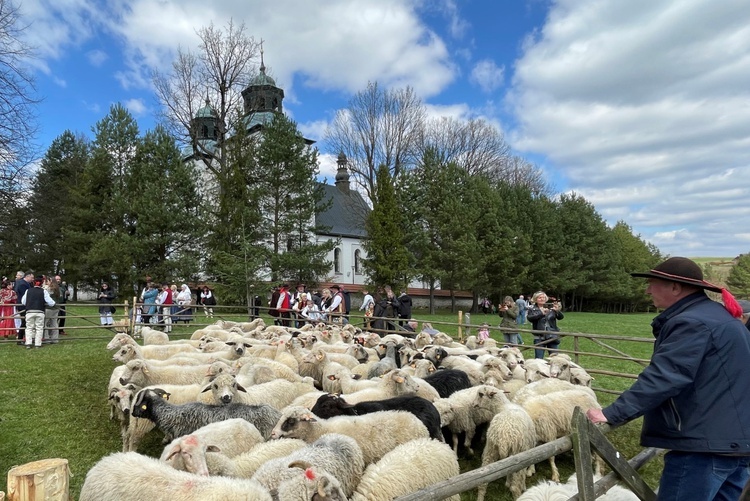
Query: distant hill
[[715, 269]]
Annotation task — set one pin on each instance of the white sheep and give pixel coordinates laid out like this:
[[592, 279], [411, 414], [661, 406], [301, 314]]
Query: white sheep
[[376, 433], [392, 384], [552, 414], [544, 386], [406, 469], [536, 369], [129, 476], [277, 393], [231, 436], [553, 491], [130, 352], [152, 336], [158, 352], [336, 453], [143, 373], [121, 400], [511, 432], [247, 364], [198, 454]]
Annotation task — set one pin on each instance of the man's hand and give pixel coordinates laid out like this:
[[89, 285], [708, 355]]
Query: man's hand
[[596, 416]]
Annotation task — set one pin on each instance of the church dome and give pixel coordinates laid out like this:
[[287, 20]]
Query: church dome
[[206, 112]]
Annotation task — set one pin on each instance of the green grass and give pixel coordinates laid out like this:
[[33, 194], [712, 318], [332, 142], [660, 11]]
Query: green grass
[[53, 400]]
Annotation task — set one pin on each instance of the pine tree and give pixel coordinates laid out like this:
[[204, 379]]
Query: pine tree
[[387, 260]]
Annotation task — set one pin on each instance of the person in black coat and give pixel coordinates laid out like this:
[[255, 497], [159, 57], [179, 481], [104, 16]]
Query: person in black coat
[[387, 306], [404, 311]]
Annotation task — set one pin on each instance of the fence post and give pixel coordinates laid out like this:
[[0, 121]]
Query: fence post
[[467, 322], [460, 324]]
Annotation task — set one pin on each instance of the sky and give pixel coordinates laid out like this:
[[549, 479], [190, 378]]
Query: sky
[[641, 107]]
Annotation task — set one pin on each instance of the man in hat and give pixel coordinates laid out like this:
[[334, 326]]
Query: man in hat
[[694, 394], [337, 309]]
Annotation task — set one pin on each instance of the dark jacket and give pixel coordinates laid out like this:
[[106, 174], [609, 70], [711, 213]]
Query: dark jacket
[[21, 286], [109, 296], [35, 299], [541, 322], [694, 394], [404, 308]]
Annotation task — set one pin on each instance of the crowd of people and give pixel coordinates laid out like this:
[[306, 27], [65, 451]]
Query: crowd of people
[[32, 309], [164, 305]]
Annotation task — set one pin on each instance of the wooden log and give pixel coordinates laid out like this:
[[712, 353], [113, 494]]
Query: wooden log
[[44, 480]]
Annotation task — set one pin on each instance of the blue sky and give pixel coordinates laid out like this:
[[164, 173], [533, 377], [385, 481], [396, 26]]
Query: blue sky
[[642, 107]]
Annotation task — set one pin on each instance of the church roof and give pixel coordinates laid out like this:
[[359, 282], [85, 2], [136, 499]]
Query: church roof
[[346, 216]]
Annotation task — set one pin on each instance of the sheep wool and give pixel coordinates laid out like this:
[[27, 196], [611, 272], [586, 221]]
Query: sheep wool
[[394, 475], [129, 476]]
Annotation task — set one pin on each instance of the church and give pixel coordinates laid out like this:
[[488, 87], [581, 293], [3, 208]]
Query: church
[[346, 212]]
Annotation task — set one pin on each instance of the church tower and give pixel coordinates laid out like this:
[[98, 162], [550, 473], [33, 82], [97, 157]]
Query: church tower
[[261, 99]]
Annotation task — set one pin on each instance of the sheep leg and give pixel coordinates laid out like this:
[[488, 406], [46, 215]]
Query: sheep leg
[[455, 442], [468, 439], [598, 464], [490, 455], [555, 473]]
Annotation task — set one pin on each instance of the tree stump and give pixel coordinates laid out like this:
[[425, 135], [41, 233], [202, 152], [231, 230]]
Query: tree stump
[[45, 480]]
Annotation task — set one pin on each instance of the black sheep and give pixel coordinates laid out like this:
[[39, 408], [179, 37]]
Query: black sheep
[[448, 381], [330, 405]]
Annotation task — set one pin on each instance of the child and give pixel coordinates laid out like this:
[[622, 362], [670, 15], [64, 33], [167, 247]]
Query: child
[[484, 333]]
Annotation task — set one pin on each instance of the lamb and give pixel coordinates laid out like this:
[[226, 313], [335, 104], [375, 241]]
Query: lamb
[[143, 373], [580, 377], [394, 475], [232, 436], [246, 365], [386, 363], [339, 455], [329, 406], [178, 420], [194, 454], [511, 431], [376, 433], [552, 414], [444, 340], [124, 476], [349, 383]]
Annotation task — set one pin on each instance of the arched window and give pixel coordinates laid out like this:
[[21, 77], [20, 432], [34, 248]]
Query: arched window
[[337, 260], [357, 261]]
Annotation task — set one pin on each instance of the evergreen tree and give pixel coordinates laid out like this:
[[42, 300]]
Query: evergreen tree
[[739, 277], [58, 173], [164, 215], [288, 196], [101, 203], [387, 261]]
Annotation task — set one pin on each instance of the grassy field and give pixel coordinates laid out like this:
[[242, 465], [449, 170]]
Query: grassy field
[[53, 400]]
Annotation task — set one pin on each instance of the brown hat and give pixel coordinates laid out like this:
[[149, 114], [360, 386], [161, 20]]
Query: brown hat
[[685, 271], [334, 286], [679, 269]]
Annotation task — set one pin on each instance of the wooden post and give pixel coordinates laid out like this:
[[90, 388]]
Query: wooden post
[[460, 328], [45, 480]]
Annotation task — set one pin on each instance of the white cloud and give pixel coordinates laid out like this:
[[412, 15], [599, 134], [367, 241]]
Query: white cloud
[[645, 111], [487, 75], [97, 57], [136, 106]]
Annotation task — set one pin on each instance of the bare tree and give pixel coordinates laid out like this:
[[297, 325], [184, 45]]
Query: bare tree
[[521, 172], [17, 117], [379, 126], [216, 74], [475, 145]]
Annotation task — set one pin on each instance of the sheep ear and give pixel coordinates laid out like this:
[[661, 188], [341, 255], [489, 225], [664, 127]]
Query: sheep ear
[[359, 376], [230, 343], [299, 464], [320, 355], [213, 448], [241, 388], [331, 377], [399, 379], [207, 388], [175, 450]]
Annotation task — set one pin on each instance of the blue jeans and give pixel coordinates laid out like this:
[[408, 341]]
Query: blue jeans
[[550, 347], [702, 477]]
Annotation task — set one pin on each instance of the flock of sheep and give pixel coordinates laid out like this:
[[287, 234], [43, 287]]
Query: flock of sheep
[[258, 412]]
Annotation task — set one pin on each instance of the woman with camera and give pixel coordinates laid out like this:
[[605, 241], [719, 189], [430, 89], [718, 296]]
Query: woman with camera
[[543, 316], [508, 312]]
